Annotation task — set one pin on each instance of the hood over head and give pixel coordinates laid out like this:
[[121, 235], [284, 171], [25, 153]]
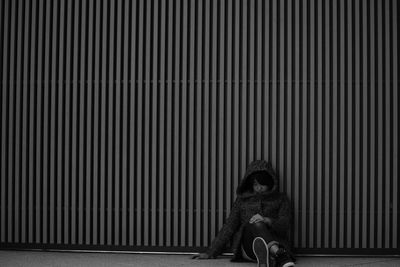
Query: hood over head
[[256, 168]]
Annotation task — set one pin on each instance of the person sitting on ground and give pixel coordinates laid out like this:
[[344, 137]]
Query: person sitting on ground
[[259, 221]]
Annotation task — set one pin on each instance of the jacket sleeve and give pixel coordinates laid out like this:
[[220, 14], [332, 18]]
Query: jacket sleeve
[[281, 225], [226, 232]]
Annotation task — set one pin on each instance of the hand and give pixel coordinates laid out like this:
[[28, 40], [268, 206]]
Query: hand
[[256, 218], [201, 256]]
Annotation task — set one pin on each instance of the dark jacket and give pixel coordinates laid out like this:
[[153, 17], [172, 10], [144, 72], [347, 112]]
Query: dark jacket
[[271, 204]]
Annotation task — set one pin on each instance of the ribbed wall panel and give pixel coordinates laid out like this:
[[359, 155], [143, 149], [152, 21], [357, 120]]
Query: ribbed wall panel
[[129, 124]]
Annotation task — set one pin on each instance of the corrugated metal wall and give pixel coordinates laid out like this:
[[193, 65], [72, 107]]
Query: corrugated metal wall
[[128, 124]]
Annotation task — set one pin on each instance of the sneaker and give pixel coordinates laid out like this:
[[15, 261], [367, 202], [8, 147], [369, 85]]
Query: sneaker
[[261, 251], [283, 259]]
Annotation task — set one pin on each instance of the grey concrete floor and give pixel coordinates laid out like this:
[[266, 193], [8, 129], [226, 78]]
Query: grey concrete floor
[[40, 258]]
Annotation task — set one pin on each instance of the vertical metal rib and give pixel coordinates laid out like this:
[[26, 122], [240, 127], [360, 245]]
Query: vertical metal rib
[[395, 145], [4, 82]]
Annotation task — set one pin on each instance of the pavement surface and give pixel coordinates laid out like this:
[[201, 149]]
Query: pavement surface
[[44, 258]]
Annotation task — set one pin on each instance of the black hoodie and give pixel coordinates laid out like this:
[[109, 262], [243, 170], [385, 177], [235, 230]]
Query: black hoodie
[[272, 204]]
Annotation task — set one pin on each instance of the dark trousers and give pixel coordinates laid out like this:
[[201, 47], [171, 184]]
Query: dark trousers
[[253, 230]]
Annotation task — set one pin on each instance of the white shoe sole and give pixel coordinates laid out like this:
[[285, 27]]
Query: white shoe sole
[[261, 252]]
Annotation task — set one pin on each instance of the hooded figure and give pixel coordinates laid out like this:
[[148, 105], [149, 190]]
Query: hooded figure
[[272, 205]]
